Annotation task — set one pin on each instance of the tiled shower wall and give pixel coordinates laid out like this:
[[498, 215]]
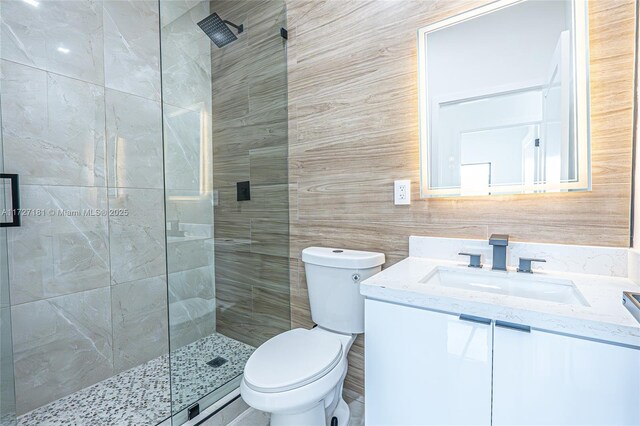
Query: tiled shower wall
[[250, 144], [82, 126]]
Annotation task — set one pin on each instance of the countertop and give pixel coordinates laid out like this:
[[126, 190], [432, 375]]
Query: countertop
[[605, 319]]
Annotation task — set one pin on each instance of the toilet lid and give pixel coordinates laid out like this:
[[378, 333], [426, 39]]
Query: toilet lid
[[291, 360]]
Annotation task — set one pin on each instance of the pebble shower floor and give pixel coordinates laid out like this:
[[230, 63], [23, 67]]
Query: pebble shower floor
[[142, 396]]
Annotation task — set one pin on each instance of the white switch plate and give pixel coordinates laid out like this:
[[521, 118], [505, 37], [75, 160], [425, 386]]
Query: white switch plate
[[402, 192]]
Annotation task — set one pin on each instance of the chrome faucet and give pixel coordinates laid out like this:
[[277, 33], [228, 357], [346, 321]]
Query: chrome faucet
[[499, 243]]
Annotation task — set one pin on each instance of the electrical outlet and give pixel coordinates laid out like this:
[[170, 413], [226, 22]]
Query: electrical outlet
[[402, 192]]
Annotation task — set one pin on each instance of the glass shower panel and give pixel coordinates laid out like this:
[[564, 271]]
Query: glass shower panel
[[7, 385], [225, 125], [82, 126], [186, 102], [7, 389]]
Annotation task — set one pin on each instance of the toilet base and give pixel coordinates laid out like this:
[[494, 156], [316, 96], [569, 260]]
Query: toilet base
[[342, 413], [314, 416]]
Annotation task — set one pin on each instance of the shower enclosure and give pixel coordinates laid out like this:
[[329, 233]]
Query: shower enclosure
[[153, 249]]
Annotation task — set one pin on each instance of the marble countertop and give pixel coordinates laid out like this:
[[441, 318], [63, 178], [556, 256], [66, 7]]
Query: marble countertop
[[605, 319]]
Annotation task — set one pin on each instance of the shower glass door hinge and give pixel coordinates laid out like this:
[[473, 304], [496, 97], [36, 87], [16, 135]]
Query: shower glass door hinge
[[284, 33]]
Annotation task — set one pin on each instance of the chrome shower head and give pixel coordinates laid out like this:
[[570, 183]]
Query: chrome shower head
[[218, 30]]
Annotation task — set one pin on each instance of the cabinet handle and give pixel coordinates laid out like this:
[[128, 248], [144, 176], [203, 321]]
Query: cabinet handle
[[472, 318], [513, 326]]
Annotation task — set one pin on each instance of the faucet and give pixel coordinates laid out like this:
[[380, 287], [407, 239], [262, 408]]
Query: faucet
[[475, 260], [499, 243], [525, 264]]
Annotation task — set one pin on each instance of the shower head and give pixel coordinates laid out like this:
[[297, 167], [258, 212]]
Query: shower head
[[218, 30]]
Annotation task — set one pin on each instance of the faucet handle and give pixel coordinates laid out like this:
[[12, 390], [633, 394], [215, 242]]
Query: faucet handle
[[474, 259], [524, 265]]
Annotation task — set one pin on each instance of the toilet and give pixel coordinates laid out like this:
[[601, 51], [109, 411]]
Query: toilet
[[298, 375]]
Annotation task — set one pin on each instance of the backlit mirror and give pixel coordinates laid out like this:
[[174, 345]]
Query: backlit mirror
[[504, 100]]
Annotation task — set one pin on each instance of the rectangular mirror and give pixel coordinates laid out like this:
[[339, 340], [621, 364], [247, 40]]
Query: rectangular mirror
[[504, 100]]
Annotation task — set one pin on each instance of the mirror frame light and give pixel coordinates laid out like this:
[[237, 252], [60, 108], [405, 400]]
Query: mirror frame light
[[580, 40]]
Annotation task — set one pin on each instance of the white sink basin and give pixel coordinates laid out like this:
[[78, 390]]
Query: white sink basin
[[509, 283]]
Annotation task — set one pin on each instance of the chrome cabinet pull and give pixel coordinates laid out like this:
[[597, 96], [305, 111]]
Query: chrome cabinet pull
[[513, 326], [473, 318]]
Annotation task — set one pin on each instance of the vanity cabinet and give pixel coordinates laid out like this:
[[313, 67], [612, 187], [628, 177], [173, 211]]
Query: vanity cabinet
[[424, 367], [542, 378], [432, 368]]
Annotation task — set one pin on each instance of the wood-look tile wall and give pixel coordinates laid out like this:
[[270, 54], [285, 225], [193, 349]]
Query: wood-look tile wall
[[636, 207], [353, 130], [249, 81]]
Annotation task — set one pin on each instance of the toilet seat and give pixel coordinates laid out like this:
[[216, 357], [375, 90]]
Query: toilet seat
[[291, 360]]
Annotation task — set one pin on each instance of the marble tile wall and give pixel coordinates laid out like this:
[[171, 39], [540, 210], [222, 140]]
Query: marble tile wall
[[7, 387], [61, 341], [250, 143], [81, 124]]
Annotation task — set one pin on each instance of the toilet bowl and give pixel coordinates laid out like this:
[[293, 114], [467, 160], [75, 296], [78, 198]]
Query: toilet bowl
[[298, 375]]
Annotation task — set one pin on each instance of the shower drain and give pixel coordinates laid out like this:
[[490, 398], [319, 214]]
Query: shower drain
[[217, 362]]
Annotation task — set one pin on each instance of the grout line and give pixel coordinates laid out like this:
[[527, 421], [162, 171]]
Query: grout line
[[110, 285], [91, 186], [101, 85], [45, 299]]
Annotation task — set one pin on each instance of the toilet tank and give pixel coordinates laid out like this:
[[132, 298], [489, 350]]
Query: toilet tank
[[333, 281]]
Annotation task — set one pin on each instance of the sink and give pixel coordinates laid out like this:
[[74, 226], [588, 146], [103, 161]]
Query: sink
[[516, 284]]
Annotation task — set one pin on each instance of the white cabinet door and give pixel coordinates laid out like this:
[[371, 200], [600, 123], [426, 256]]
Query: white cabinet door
[[541, 378], [425, 368]]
